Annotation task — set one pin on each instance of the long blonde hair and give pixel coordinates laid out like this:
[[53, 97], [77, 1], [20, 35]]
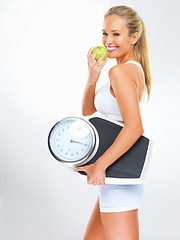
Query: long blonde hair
[[136, 24]]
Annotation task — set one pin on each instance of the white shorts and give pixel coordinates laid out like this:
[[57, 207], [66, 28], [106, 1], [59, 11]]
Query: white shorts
[[120, 198]]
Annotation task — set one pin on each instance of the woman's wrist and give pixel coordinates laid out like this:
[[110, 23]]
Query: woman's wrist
[[101, 163], [92, 81]]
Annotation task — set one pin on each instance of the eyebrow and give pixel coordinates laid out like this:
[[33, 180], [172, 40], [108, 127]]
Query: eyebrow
[[111, 31]]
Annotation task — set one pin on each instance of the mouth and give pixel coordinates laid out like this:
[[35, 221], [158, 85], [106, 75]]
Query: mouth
[[111, 49]]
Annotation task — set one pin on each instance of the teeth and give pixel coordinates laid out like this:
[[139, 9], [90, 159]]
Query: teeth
[[111, 48]]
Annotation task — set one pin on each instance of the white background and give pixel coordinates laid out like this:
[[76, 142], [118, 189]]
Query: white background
[[43, 70]]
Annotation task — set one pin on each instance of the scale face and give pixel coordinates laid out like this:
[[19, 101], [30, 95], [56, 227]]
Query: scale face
[[73, 141]]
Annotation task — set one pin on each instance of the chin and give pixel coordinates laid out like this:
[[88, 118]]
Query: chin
[[111, 56]]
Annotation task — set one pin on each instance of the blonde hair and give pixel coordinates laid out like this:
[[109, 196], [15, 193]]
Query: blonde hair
[[136, 25]]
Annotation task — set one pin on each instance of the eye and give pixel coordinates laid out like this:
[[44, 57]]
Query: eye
[[116, 34], [104, 34]]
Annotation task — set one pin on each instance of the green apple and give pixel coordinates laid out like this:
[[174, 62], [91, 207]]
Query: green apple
[[100, 52]]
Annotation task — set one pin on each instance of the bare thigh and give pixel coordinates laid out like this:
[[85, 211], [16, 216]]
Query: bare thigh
[[95, 230], [121, 225]]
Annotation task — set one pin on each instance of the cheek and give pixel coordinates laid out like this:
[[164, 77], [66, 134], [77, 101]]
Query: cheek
[[119, 41], [124, 42], [103, 40]]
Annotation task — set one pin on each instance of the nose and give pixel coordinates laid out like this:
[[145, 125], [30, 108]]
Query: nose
[[108, 41]]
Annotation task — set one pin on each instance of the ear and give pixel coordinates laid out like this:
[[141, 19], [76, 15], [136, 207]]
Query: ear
[[134, 38]]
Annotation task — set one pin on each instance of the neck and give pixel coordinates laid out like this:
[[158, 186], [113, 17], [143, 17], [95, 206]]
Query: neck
[[127, 57]]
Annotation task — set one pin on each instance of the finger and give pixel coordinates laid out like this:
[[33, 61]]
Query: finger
[[101, 183], [90, 181], [104, 62], [94, 53], [100, 58], [89, 52], [77, 169], [100, 62], [95, 183]]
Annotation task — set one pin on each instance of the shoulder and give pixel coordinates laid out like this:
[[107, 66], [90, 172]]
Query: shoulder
[[122, 73], [118, 69]]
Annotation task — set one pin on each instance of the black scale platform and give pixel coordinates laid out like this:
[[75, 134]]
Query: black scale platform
[[131, 163]]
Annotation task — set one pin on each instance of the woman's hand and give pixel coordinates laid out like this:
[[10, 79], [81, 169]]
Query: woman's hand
[[95, 174], [94, 66]]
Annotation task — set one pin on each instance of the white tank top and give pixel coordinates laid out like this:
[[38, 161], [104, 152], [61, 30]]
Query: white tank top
[[106, 104]]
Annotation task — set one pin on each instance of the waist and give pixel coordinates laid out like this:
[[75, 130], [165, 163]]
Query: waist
[[114, 117]]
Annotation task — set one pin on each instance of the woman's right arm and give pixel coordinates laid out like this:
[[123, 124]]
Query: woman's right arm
[[88, 107], [94, 68]]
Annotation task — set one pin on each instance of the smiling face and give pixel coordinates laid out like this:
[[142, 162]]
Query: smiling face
[[116, 38]]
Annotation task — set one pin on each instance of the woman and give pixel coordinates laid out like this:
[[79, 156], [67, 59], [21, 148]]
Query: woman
[[115, 215]]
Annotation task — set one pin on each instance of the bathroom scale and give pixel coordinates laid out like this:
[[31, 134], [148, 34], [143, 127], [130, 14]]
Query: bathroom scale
[[74, 141]]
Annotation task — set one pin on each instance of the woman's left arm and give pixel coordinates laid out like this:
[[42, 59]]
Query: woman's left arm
[[125, 90]]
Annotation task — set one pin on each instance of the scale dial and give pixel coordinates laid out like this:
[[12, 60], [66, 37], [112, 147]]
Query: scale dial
[[73, 140]]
